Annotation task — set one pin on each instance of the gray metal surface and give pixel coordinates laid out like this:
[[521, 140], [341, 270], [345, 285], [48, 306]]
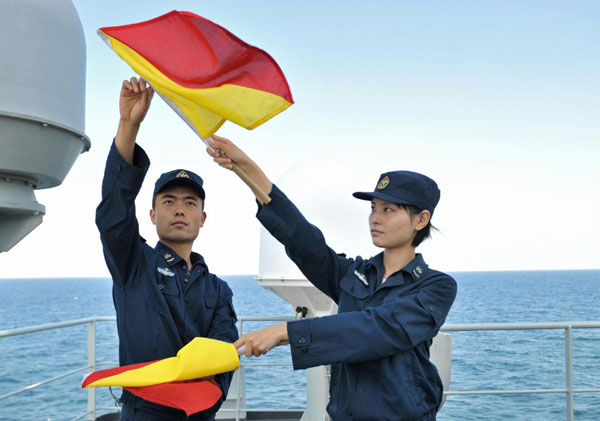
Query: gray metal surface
[[43, 61], [42, 107]]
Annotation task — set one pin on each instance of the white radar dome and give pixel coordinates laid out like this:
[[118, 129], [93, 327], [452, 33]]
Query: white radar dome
[[322, 190]]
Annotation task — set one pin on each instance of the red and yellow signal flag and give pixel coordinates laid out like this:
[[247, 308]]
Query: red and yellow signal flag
[[175, 381], [204, 72], [189, 396]]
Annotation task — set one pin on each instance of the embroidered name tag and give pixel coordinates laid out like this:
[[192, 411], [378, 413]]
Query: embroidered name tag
[[166, 271], [362, 278]]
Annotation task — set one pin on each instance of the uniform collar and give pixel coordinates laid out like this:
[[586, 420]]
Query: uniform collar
[[416, 268], [173, 258], [168, 254], [197, 259]]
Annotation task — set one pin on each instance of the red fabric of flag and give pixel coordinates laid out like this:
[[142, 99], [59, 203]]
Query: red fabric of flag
[[197, 53], [204, 72], [109, 372], [190, 396]]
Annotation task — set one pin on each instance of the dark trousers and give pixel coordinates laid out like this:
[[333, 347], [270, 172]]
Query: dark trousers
[[133, 414]]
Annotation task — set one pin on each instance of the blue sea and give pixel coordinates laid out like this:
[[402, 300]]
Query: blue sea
[[480, 360]]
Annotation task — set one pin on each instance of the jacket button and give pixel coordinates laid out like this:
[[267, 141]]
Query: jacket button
[[305, 350], [431, 308], [301, 340], [161, 286]]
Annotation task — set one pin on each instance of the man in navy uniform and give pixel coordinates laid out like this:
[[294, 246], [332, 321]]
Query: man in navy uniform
[[164, 296]]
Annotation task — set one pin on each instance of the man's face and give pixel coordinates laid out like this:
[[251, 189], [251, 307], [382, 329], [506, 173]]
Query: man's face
[[178, 214]]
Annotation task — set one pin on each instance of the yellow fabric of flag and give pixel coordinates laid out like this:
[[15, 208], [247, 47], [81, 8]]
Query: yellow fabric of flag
[[202, 357], [205, 73]]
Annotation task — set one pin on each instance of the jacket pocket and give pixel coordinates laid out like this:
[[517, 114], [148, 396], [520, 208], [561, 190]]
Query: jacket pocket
[[210, 300], [206, 315], [353, 294], [168, 285], [353, 287]]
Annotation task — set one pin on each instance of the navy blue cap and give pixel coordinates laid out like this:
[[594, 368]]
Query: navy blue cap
[[405, 188], [180, 177]]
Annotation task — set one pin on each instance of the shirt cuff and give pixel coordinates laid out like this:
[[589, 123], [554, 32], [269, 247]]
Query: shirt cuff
[[300, 341], [126, 173], [270, 213]]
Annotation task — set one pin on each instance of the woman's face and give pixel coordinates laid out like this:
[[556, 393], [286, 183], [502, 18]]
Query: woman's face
[[392, 226]]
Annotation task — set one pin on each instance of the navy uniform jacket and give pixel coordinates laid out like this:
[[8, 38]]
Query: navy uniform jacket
[[160, 305], [378, 343]]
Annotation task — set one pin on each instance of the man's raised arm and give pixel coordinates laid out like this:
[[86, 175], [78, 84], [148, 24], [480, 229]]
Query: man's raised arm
[[134, 103], [125, 170]]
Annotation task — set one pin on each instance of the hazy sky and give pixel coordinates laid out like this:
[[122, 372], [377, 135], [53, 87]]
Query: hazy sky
[[499, 102]]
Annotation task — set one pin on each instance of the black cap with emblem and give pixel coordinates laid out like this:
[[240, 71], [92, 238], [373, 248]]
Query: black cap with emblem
[[180, 177], [405, 188]]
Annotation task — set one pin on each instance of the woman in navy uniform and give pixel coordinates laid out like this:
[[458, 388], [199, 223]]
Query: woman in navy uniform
[[390, 306]]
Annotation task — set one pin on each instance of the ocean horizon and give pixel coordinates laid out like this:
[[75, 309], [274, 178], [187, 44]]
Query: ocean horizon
[[498, 360]]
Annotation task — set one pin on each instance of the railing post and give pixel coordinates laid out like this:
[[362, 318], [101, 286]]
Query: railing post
[[91, 339], [239, 379], [569, 370]]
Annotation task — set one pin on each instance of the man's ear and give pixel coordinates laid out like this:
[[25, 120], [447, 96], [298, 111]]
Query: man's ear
[[153, 216], [423, 219], [202, 219]]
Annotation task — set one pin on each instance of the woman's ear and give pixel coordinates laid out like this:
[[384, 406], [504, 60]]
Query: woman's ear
[[422, 220]]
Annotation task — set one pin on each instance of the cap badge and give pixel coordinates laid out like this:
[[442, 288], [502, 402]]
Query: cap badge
[[182, 174], [383, 183]]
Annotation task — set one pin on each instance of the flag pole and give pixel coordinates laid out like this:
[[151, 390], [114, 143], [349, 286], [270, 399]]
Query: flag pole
[[262, 197]]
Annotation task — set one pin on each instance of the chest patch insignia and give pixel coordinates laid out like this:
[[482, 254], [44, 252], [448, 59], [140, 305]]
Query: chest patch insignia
[[362, 277], [165, 271]]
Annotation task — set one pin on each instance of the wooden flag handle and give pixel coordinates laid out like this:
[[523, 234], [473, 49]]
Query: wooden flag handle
[[262, 197]]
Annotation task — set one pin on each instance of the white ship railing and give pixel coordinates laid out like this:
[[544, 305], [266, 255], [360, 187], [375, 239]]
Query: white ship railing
[[568, 327]]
